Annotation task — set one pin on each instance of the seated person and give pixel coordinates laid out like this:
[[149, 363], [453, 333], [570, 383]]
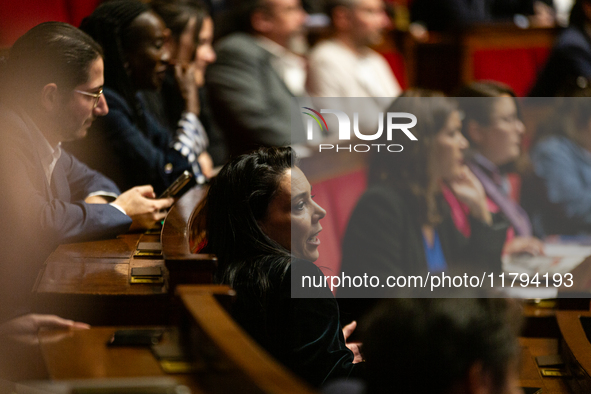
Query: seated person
[[561, 158], [262, 223], [191, 51], [51, 93], [401, 225], [256, 76], [493, 126], [345, 65], [129, 144], [568, 67], [445, 345]]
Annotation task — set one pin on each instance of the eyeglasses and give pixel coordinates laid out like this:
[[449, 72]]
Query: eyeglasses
[[97, 96]]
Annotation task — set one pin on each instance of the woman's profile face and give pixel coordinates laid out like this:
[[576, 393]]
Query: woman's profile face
[[500, 140], [204, 55], [447, 156], [292, 219], [148, 52]]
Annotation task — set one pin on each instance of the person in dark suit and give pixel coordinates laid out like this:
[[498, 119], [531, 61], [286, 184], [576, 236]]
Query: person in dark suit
[[52, 92], [568, 68], [256, 76]]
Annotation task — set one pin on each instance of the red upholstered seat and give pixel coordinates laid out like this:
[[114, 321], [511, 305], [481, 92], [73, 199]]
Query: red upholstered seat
[[339, 197], [17, 17], [516, 67]]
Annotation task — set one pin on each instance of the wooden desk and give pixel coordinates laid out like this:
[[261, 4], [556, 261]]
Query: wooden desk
[[228, 360], [90, 281], [529, 375], [576, 350]]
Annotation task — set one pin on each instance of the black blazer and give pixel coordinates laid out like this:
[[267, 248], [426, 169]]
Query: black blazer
[[384, 238]]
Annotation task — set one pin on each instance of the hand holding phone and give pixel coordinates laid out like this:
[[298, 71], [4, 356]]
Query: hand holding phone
[[178, 185]]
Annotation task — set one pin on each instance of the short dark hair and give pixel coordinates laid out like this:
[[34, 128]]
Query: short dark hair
[[51, 52], [445, 336], [238, 198]]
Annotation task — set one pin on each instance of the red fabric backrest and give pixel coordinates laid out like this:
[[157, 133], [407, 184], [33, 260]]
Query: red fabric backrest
[[17, 17], [396, 62], [516, 67], [80, 9], [338, 196]]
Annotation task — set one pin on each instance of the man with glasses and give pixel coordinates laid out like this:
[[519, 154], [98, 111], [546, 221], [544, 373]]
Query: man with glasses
[[51, 92]]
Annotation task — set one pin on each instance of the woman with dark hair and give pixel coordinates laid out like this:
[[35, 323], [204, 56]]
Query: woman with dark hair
[[561, 157], [191, 51], [401, 225], [129, 144], [263, 225], [493, 125]]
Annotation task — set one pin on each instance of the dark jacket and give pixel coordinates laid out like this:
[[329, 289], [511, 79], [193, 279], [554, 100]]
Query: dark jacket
[[38, 216], [131, 156], [385, 238], [302, 333], [568, 68]]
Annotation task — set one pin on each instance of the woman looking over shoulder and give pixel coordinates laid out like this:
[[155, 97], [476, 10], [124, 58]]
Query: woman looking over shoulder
[[263, 225], [402, 225], [129, 144]]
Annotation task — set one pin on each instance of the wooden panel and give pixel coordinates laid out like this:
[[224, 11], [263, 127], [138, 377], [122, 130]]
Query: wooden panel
[[529, 375], [90, 282], [121, 247], [179, 234], [576, 349], [447, 60], [89, 357], [232, 347]]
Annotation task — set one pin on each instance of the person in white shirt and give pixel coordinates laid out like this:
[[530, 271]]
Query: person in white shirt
[[345, 65]]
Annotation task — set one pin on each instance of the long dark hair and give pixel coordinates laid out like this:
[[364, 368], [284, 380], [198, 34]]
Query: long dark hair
[[237, 200], [49, 52], [109, 25], [177, 14], [408, 171]]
